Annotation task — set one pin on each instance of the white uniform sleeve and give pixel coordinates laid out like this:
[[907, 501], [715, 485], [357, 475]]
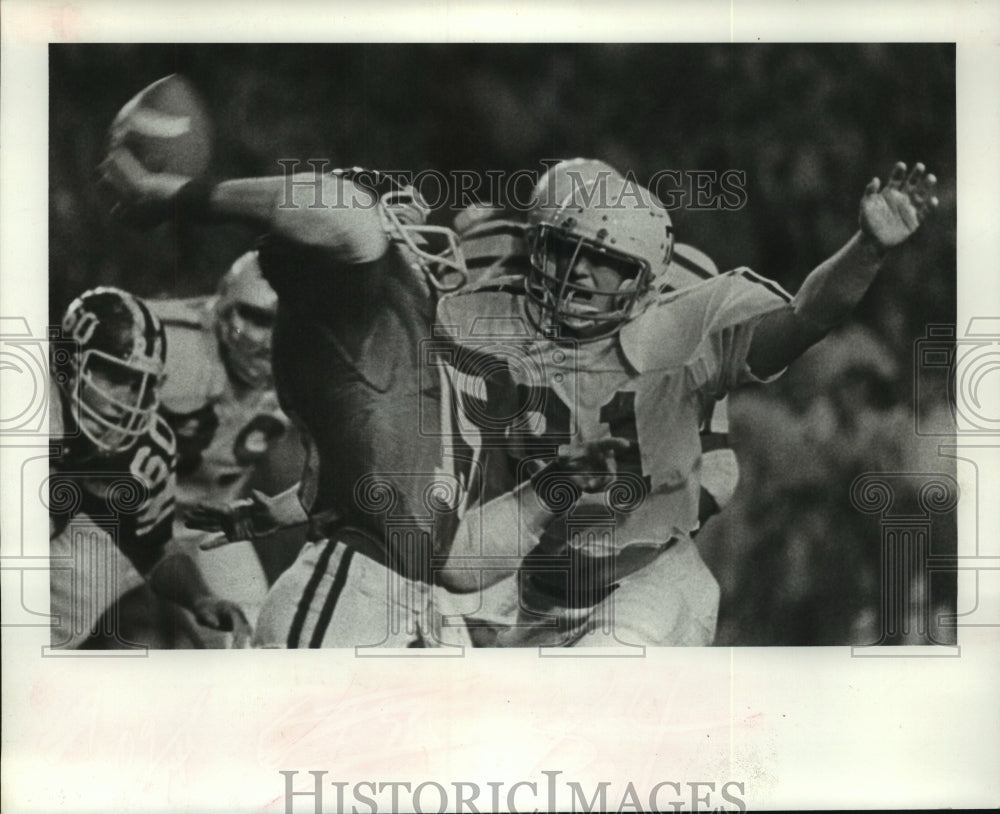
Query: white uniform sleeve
[[728, 320]]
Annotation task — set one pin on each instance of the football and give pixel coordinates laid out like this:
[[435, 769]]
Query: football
[[167, 127]]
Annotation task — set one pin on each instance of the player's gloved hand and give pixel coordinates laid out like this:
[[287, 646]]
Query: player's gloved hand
[[221, 614], [580, 466], [140, 198], [248, 519], [591, 465], [890, 214]]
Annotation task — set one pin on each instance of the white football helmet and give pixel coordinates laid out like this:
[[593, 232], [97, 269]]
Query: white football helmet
[[584, 208], [245, 312]]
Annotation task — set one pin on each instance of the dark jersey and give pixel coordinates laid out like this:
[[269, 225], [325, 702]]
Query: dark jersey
[[347, 361], [134, 490]]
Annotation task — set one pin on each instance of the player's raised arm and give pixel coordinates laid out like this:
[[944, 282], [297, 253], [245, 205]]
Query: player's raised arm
[[326, 211], [888, 216]]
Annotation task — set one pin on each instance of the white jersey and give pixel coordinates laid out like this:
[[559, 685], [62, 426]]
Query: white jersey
[[653, 384], [223, 429]]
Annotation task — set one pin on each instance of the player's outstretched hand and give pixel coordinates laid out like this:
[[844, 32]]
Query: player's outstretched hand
[[140, 198], [890, 214], [248, 519], [221, 614]]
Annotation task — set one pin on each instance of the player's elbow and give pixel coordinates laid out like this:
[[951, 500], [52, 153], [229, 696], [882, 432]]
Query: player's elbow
[[330, 212], [779, 338]]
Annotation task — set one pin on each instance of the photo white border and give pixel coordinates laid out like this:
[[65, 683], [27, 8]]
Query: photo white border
[[802, 728]]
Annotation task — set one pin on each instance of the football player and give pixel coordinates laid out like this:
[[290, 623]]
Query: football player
[[218, 397], [112, 489], [495, 243], [357, 273], [603, 369]]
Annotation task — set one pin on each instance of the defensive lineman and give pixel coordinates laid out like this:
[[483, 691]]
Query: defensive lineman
[[604, 364]]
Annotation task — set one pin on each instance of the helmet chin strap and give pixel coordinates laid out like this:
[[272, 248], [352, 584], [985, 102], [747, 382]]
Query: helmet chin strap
[[624, 287]]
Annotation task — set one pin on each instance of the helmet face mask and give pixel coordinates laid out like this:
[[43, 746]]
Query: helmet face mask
[[115, 401], [246, 311], [596, 239], [434, 249], [586, 287], [245, 334], [112, 379]]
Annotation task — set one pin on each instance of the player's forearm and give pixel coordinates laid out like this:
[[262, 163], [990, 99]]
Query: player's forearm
[[834, 288], [827, 297], [252, 200], [491, 539], [320, 211], [323, 211]]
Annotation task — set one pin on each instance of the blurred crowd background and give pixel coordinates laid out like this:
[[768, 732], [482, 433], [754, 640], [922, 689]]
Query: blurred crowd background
[[808, 124]]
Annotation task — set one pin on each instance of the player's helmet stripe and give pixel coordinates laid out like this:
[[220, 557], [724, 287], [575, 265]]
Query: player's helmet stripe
[[299, 620], [339, 580], [690, 265], [148, 330], [132, 304]]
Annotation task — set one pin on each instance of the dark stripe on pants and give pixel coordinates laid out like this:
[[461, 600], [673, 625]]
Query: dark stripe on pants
[[339, 580], [308, 594]]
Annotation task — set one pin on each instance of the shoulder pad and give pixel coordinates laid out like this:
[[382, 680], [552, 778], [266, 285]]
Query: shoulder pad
[[193, 312], [688, 266], [487, 308], [674, 324], [509, 283], [194, 375]]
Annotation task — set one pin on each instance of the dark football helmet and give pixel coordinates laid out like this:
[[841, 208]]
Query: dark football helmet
[[111, 379]]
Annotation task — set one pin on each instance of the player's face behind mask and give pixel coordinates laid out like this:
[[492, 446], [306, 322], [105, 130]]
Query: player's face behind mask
[[588, 290], [115, 402], [245, 332]]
